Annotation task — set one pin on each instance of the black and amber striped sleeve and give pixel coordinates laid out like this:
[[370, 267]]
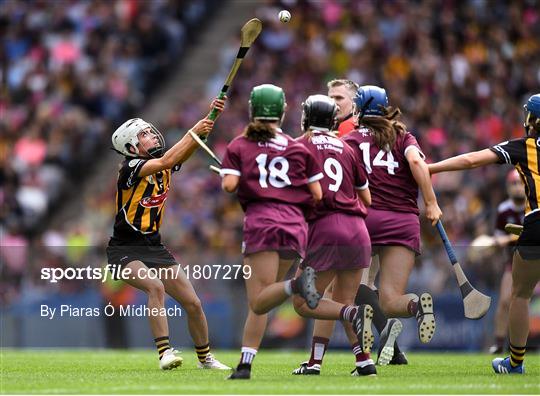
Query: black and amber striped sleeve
[[510, 152], [129, 172], [524, 155]]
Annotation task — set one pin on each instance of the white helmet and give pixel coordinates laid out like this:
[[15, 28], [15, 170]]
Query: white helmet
[[126, 136]]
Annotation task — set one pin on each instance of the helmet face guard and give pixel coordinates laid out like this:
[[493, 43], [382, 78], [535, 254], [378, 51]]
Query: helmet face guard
[[157, 150]]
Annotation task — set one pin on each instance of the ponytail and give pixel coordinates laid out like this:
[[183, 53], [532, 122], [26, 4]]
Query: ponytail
[[385, 128], [259, 131]]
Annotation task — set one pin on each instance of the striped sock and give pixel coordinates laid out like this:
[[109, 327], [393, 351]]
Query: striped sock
[[358, 354], [412, 307], [318, 349], [517, 354], [202, 352], [162, 344], [248, 354], [348, 312]]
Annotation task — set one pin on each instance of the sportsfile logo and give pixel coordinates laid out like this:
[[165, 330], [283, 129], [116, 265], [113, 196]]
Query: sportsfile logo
[[113, 271]]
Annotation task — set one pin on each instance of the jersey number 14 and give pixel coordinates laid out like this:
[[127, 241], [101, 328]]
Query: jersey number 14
[[389, 163]]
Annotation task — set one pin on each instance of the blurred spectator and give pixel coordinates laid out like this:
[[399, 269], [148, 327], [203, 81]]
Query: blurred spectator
[[72, 71]]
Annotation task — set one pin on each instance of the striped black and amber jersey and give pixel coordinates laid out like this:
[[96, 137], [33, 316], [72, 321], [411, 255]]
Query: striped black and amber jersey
[[140, 201], [524, 154]]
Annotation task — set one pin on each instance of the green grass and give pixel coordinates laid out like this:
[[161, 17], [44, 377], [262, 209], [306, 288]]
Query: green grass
[[136, 372]]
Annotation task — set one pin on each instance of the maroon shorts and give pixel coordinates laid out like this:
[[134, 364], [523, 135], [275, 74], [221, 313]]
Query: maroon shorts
[[338, 241], [388, 228], [275, 226]]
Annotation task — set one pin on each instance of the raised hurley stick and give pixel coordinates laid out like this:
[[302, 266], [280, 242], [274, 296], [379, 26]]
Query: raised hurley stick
[[248, 34], [475, 304], [513, 229], [204, 146]]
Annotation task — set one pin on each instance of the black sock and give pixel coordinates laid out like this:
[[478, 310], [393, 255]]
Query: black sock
[[366, 295]]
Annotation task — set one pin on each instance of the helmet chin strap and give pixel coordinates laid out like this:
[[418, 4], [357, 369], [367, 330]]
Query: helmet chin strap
[[526, 124], [156, 152]]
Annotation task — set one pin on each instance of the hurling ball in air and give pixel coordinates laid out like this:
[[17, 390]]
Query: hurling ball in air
[[284, 16]]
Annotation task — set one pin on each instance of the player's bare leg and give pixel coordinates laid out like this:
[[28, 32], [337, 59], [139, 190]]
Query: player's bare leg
[[329, 309], [325, 328], [525, 276], [361, 337], [345, 286], [501, 315], [180, 288], [396, 264], [155, 290], [255, 324], [322, 331], [264, 293], [369, 277]]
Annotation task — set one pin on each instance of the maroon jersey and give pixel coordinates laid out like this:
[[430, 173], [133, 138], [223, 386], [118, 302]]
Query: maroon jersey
[[508, 212], [343, 175], [278, 170], [392, 184]]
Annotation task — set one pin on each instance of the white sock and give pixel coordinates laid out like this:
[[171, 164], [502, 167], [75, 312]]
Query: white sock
[[248, 354]]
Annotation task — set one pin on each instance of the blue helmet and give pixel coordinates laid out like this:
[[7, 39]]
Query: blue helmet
[[369, 99], [532, 114]]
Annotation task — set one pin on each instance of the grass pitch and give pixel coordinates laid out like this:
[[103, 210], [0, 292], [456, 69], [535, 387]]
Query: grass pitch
[[136, 372]]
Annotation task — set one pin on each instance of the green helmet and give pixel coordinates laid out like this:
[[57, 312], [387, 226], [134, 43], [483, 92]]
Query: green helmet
[[267, 102]]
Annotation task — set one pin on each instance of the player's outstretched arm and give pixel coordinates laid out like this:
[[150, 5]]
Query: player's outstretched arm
[[464, 161], [420, 172], [178, 153], [182, 150]]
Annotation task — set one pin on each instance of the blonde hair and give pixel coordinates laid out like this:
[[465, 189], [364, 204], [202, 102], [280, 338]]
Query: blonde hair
[[350, 85]]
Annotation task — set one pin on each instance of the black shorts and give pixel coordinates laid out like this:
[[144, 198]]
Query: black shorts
[[528, 244], [121, 252]]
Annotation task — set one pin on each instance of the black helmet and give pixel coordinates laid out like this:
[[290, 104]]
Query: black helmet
[[319, 112]]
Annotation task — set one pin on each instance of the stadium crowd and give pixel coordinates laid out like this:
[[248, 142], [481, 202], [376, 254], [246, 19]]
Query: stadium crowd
[[73, 71], [459, 71]]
